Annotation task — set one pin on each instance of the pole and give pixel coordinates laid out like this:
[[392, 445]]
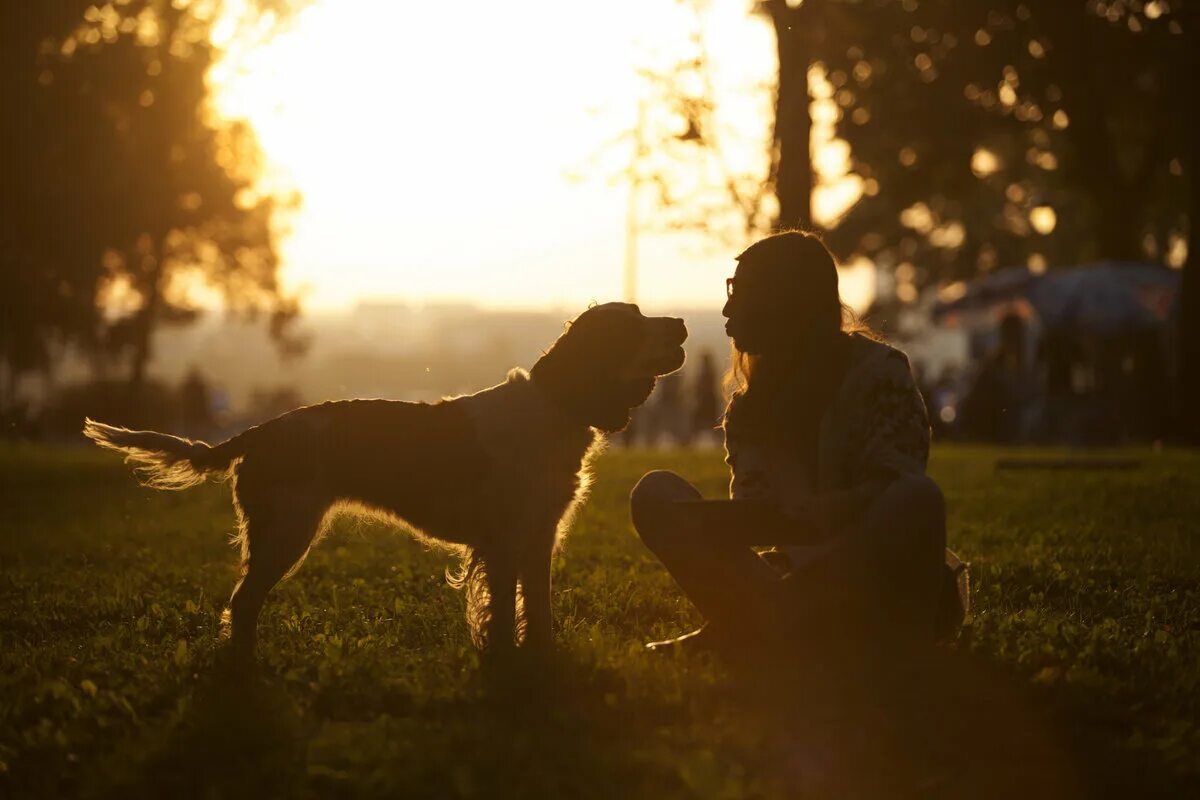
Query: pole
[[631, 204]]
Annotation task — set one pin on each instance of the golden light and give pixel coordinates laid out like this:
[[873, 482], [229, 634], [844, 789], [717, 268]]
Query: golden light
[[1177, 251], [432, 147], [919, 217], [984, 162], [906, 293], [952, 291], [1043, 219]]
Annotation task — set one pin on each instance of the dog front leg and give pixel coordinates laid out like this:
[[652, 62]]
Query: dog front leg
[[501, 620], [535, 590]]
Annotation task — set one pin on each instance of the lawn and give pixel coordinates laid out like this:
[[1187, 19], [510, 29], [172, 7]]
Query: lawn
[[1077, 673]]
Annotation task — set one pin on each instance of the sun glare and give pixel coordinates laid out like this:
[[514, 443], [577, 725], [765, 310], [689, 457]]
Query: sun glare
[[431, 144]]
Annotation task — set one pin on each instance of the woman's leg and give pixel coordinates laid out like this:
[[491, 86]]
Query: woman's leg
[[730, 584], [884, 575]]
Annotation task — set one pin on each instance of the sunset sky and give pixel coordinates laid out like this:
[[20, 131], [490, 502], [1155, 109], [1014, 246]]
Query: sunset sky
[[433, 144]]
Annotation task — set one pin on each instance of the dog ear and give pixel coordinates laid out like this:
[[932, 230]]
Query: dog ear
[[582, 371]]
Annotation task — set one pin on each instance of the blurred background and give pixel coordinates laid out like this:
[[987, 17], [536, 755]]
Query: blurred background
[[216, 210]]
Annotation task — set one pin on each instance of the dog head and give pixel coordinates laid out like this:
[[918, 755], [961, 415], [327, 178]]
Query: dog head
[[607, 361]]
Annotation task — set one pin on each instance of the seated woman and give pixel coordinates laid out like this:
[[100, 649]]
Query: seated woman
[[827, 439]]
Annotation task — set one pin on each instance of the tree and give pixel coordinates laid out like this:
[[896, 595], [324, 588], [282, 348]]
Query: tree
[[1189, 293], [120, 187], [45, 272], [799, 34], [1035, 148], [932, 209]]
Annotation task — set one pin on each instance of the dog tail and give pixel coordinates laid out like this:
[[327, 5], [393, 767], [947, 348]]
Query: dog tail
[[471, 577], [164, 461]]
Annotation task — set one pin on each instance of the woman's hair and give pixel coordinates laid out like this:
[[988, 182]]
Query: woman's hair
[[803, 281]]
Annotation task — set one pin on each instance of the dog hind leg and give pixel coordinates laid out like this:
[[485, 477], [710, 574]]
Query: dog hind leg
[[276, 542]]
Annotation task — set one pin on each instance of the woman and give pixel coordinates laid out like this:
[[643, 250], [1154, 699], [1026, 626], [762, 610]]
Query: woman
[[827, 439]]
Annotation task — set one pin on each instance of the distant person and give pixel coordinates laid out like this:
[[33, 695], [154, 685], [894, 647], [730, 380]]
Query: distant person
[[995, 407], [827, 440], [196, 404], [706, 403], [628, 437], [1058, 354], [667, 413], [1151, 402]]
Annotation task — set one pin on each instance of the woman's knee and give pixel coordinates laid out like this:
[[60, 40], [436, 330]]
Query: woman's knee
[[923, 493], [913, 507], [651, 499], [916, 495]]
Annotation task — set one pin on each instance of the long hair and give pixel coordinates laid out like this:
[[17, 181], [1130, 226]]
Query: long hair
[[803, 273]]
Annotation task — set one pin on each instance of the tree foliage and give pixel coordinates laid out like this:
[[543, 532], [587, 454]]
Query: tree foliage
[[122, 194], [985, 132], [994, 132]]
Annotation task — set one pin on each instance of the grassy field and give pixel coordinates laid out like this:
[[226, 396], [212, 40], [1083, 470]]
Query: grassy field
[[1077, 674]]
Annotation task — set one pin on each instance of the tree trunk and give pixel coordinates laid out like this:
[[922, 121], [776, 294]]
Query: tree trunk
[[1115, 228], [144, 331], [8, 382], [1187, 405], [793, 168]]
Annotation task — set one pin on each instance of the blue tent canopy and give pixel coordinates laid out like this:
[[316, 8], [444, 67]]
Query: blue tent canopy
[[1103, 298]]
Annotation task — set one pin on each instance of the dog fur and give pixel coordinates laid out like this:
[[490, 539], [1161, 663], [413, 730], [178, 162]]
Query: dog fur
[[496, 474]]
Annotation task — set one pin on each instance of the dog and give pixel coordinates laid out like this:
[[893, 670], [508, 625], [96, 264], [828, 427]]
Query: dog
[[496, 475]]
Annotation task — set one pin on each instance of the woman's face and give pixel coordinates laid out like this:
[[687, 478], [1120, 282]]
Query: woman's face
[[755, 310]]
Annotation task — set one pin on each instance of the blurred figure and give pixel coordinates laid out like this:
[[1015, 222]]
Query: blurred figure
[[706, 401], [1058, 354], [1152, 386], [994, 409], [195, 404], [628, 437], [666, 416]]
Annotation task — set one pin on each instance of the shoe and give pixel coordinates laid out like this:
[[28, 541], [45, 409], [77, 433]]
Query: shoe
[[699, 640]]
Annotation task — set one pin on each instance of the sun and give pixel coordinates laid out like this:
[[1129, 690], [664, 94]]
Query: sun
[[431, 144]]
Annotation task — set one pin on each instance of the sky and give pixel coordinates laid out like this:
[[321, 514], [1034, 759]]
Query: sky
[[444, 151]]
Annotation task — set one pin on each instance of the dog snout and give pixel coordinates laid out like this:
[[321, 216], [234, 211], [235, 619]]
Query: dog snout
[[678, 330]]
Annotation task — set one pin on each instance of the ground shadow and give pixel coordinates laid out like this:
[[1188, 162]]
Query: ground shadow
[[933, 725], [532, 728], [944, 724], [527, 728], [239, 736]]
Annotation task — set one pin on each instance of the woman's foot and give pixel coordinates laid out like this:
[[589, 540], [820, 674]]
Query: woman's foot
[[700, 640]]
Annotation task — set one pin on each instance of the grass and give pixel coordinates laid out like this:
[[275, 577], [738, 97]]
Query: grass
[[1079, 668]]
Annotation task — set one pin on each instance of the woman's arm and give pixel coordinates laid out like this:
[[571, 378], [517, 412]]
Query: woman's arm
[[834, 510]]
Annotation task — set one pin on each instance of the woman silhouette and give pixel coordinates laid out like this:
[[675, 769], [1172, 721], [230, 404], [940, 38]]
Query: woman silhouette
[[827, 439]]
